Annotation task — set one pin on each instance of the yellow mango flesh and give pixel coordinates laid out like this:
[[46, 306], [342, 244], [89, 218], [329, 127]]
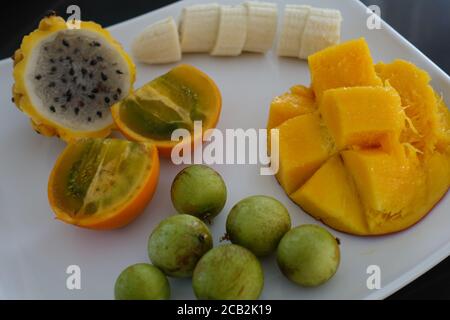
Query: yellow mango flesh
[[303, 147], [418, 99], [367, 153], [431, 180], [349, 64], [386, 182], [362, 116], [300, 100], [330, 196]]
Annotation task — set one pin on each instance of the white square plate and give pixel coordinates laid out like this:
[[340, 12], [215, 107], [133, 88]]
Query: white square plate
[[35, 249]]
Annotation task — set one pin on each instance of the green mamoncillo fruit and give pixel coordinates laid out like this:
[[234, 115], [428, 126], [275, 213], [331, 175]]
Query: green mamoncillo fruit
[[228, 272], [308, 255], [142, 281], [258, 223], [177, 243], [199, 191]]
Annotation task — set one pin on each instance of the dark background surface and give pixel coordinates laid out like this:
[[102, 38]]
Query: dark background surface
[[425, 23]]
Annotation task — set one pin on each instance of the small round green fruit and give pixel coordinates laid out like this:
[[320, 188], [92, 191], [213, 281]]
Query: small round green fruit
[[142, 281], [308, 255], [228, 272], [177, 243], [258, 223], [199, 191]]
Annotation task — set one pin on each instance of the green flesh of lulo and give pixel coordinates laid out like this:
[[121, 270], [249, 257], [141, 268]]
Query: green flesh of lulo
[[100, 174], [160, 107]]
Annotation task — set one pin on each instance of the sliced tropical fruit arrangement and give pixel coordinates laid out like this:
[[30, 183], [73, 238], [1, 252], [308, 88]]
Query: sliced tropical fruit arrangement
[[228, 30], [67, 79], [366, 149], [172, 101], [103, 183], [224, 30]]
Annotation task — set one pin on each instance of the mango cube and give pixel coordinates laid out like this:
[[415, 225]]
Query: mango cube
[[304, 146], [345, 65], [362, 116], [300, 100], [386, 182], [330, 196]]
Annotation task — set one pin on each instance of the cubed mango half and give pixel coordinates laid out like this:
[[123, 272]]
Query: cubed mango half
[[373, 157]]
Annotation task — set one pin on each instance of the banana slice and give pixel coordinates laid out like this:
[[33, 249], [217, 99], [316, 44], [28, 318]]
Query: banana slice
[[158, 43], [198, 27], [294, 22], [262, 19], [322, 29], [232, 31]]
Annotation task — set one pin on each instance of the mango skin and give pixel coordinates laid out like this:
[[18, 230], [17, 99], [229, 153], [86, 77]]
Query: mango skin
[[176, 245], [142, 281], [308, 255], [258, 223], [199, 191], [228, 272]]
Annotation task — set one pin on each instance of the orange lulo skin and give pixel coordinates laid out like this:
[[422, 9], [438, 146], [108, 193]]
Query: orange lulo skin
[[370, 153], [121, 217]]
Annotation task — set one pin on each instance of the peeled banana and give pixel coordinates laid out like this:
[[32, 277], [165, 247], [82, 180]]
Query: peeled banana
[[322, 29], [262, 20], [224, 30], [232, 31], [158, 43], [295, 17], [199, 27]]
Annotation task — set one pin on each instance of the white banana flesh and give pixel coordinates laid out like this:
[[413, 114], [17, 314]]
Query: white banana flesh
[[232, 31], [262, 20], [199, 27], [294, 22], [322, 29], [158, 43]]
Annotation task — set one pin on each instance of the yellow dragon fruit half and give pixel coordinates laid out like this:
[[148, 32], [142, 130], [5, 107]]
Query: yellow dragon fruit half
[[66, 79]]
